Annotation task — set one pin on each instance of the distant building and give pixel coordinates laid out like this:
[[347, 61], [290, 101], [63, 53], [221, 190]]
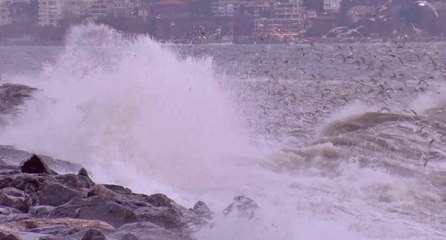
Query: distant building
[[287, 22], [7, 10], [289, 9], [75, 9], [170, 9], [5, 17], [228, 8], [98, 8], [332, 5], [51, 12], [128, 8]]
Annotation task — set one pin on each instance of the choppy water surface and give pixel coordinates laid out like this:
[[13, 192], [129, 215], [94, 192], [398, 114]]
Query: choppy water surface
[[333, 141]]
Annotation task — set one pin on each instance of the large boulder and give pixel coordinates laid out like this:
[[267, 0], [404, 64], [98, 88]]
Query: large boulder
[[35, 165], [55, 194], [96, 208], [15, 198]]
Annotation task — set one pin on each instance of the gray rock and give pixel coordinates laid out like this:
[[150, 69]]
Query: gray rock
[[41, 211], [118, 189], [75, 181], [94, 234], [148, 231], [35, 165], [56, 194], [95, 208], [15, 198], [83, 172], [201, 209], [243, 207]]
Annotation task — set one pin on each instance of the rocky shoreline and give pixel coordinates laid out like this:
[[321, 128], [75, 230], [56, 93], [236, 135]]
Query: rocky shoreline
[[38, 203], [49, 199]]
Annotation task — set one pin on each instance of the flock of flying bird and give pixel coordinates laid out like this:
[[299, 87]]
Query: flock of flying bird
[[382, 75], [379, 15]]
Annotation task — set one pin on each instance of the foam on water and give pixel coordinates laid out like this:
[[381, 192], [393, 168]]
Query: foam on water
[[133, 113]]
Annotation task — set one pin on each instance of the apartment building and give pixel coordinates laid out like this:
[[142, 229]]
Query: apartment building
[[287, 22], [51, 12], [7, 10], [332, 5]]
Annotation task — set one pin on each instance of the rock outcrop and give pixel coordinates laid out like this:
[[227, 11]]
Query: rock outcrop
[[38, 202]]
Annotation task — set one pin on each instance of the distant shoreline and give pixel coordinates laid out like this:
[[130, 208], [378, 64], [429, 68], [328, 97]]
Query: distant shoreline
[[300, 41]]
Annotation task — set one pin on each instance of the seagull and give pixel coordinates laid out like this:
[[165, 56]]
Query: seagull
[[424, 3], [417, 30]]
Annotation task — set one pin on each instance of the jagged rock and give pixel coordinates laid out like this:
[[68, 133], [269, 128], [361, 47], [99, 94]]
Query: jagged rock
[[75, 181], [94, 234], [102, 192], [118, 189], [96, 208], [15, 198], [56, 194], [148, 231], [160, 200], [35, 165], [12, 156], [28, 183], [243, 207], [41, 211], [83, 172], [201, 209]]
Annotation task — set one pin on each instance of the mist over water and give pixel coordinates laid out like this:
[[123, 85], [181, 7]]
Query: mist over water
[[134, 113]]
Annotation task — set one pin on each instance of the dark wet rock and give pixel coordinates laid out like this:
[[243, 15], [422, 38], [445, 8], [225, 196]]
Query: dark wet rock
[[56, 194], [94, 234], [96, 208], [35, 165], [66, 206], [7, 236], [83, 172], [14, 157], [243, 207], [15, 198], [40, 211]]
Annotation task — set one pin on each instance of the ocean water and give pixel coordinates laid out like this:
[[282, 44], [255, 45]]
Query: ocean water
[[332, 141]]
